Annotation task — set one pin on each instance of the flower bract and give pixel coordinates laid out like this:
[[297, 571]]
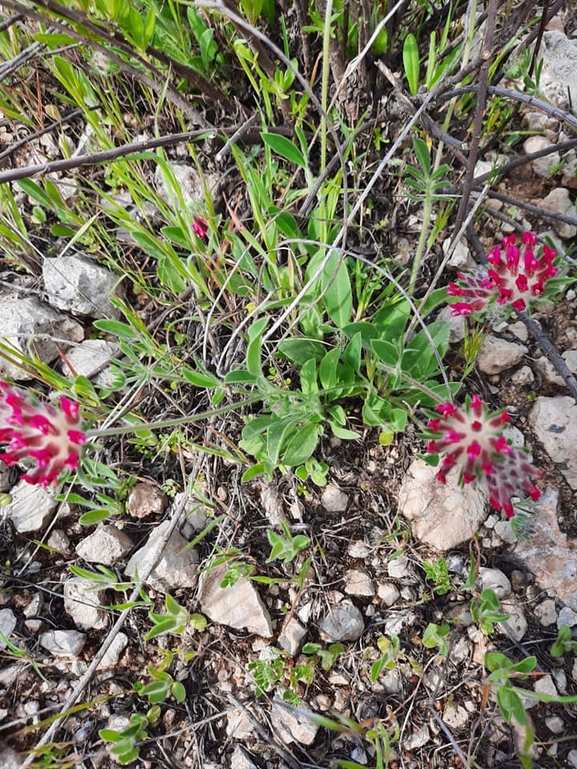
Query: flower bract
[[52, 437]]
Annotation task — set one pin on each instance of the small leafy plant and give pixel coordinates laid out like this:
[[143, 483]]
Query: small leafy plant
[[486, 611], [286, 548], [564, 643], [176, 620]]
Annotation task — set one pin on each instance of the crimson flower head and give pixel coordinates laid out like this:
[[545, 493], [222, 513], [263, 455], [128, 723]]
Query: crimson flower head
[[200, 226], [472, 440], [514, 276], [52, 437]]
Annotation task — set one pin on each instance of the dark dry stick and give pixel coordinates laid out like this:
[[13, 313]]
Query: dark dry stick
[[532, 101], [548, 348], [95, 158], [37, 134], [479, 181], [537, 210], [486, 56]]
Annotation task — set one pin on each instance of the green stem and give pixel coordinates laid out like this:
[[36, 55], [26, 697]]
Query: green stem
[[126, 430]]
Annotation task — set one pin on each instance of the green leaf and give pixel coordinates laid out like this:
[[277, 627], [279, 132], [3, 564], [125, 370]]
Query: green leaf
[[241, 376], [95, 516], [299, 351], [277, 436], [411, 62], [386, 351], [336, 285], [302, 445], [423, 155], [116, 327], [178, 691], [511, 705], [199, 378], [285, 148], [328, 368]]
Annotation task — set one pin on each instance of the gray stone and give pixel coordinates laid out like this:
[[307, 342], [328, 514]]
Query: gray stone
[[524, 377], [238, 724], [555, 423], [544, 166], [388, 593], [59, 541], [494, 579], [240, 760], [31, 507], [567, 617], [515, 626], [455, 716], [291, 636], [460, 258], [570, 357], [555, 724], [546, 612], [559, 201], [7, 625], [33, 328], [175, 564], [146, 499], [9, 759], [82, 603], [114, 652], [189, 188], [90, 359], [538, 121], [504, 531], [106, 545], [417, 739], [546, 685], [292, 727], [79, 285], [358, 582], [63, 643], [238, 606], [549, 372], [557, 81], [457, 324], [334, 499], [343, 622], [548, 554], [498, 355], [399, 567], [441, 515], [572, 758], [359, 549]]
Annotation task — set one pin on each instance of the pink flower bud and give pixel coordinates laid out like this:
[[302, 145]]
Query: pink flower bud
[[50, 436]]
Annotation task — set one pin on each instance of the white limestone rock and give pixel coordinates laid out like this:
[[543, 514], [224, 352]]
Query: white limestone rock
[[80, 285], [238, 606]]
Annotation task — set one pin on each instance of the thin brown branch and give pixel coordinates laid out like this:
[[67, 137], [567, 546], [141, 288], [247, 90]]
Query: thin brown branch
[[486, 56]]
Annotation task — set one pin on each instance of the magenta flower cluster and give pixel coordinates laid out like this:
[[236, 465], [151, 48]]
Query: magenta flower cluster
[[471, 439], [514, 277], [52, 437], [200, 226]]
